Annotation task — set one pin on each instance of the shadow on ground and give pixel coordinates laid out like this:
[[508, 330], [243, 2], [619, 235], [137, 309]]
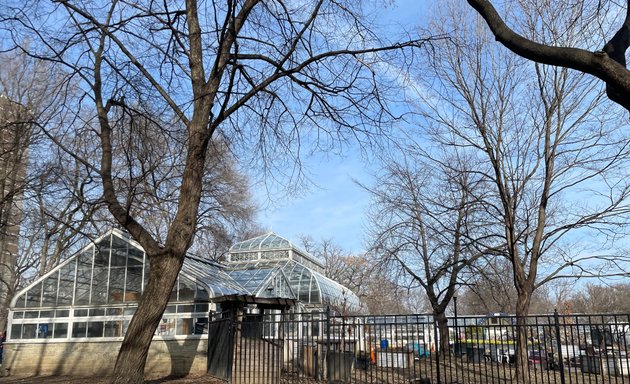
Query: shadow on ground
[[190, 379]]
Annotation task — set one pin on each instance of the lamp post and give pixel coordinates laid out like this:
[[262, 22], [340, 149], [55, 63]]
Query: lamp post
[[457, 343]]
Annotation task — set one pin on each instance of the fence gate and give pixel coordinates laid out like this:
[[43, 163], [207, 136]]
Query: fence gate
[[258, 353], [220, 348]]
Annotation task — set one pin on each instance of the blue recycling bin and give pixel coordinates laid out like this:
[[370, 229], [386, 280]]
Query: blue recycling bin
[[384, 344]]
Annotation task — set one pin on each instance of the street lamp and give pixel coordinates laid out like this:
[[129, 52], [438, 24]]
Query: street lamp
[[457, 343]]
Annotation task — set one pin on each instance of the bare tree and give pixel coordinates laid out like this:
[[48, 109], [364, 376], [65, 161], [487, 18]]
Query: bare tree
[[266, 77], [331, 254], [490, 289], [380, 290], [423, 221], [28, 99], [15, 140], [606, 61], [61, 214], [556, 164], [600, 298]]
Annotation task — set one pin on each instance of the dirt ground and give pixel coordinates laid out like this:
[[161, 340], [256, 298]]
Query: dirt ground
[[104, 380]]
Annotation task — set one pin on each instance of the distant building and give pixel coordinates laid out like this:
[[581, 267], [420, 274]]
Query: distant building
[[15, 133]]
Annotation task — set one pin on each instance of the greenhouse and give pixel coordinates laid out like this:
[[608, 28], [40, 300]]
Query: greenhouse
[[91, 296], [95, 293]]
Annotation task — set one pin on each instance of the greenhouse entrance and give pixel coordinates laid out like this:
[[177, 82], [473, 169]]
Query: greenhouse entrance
[[249, 343]]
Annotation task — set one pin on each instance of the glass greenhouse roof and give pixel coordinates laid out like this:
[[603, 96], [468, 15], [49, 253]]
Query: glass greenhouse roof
[[268, 241], [212, 276], [270, 246], [307, 285], [114, 269]]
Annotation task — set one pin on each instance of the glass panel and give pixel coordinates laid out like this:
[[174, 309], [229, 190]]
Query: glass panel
[[66, 283], [274, 255], [31, 314], [84, 278], [305, 289], [46, 314], [174, 291], [21, 300], [18, 315], [170, 309], [117, 275], [80, 312], [201, 326], [34, 296], [16, 331], [60, 331], [43, 331], [201, 308], [79, 329], [62, 313], [133, 284], [185, 326], [119, 246], [135, 257], [166, 327], [100, 273], [49, 297], [185, 308], [101, 256], [95, 329], [186, 289], [129, 311], [201, 293], [113, 328], [114, 311], [97, 312], [99, 285], [29, 331]]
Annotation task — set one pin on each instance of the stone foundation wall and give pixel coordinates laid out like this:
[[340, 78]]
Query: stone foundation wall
[[90, 358]]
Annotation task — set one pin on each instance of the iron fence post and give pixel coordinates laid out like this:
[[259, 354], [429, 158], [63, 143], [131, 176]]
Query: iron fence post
[[556, 322], [327, 354]]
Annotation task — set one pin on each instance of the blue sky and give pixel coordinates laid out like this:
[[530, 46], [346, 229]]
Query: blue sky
[[336, 207], [333, 209]]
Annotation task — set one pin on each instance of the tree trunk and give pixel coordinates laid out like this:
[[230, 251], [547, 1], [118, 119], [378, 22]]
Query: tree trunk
[[522, 310], [164, 269], [442, 324]]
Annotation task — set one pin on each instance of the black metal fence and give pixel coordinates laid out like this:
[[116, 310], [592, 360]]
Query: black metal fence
[[315, 347]]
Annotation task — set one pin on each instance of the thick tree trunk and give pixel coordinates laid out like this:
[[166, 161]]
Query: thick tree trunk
[[442, 324], [132, 357], [522, 310]]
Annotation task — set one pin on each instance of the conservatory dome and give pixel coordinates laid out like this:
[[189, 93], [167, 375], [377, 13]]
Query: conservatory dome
[[267, 255]]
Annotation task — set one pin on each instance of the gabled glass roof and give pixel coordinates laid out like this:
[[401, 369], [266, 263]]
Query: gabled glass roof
[[113, 270], [308, 286], [212, 276], [264, 282], [264, 242]]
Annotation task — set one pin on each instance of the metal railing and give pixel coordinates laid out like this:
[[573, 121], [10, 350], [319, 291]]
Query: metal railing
[[321, 347]]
